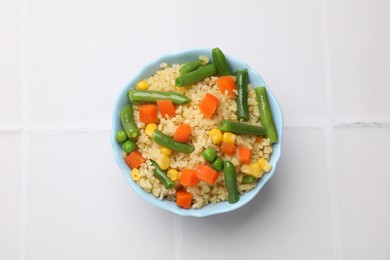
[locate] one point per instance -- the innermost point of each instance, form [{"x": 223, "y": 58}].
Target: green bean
[
  {"x": 242, "y": 97},
  {"x": 240, "y": 128},
  {"x": 121, "y": 136},
  {"x": 248, "y": 179},
  {"x": 220, "y": 62},
  {"x": 217, "y": 164},
  {"x": 209, "y": 154},
  {"x": 168, "y": 142},
  {"x": 231, "y": 181},
  {"x": 128, "y": 123},
  {"x": 190, "y": 66},
  {"x": 197, "y": 75},
  {"x": 266, "y": 114},
  {"x": 161, "y": 175},
  {"x": 150, "y": 96},
  {"x": 129, "y": 146}
]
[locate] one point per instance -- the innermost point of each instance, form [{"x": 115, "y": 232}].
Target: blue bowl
[{"x": 178, "y": 58}]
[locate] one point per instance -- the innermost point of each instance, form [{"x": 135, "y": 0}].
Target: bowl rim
[{"x": 203, "y": 212}]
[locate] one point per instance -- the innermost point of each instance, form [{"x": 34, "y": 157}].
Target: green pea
[
  {"x": 247, "y": 179},
  {"x": 217, "y": 164},
  {"x": 128, "y": 146},
  {"x": 209, "y": 154},
  {"x": 121, "y": 136}
]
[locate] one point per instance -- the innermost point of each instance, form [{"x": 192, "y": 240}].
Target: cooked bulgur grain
[{"x": 203, "y": 193}]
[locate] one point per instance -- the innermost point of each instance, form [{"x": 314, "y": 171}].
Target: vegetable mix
[{"x": 152, "y": 103}]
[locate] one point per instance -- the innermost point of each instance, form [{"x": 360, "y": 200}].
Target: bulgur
[{"x": 203, "y": 193}]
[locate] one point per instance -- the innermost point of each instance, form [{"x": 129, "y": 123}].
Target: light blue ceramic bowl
[{"x": 178, "y": 58}]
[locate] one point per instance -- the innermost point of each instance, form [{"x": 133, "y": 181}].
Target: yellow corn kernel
[
  {"x": 173, "y": 174},
  {"x": 264, "y": 164},
  {"x": 135, "y": 174},
  {"x": 163, "y": 161},
  {"x": 150, "y": 129},
  {"x": 165, "y": 151},
  {"x": 216, "y": 136},
  {"x": 142, "y": 85},
  {"x": 252, "y": 169},
  {"x": 228, "y": 138}
]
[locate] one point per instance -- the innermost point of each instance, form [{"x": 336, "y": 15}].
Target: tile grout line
[
  {"x": 177, "y": 220},
  {"x": 107, "y": 129},
  {"x": 55, "y": 131},
  {"x": 336, "y": 233},
  {"x": 24, "y": 121},
  {"x": 178, "y": 237},
  {"x": 329, "y": 137},
  {"x": 93, "y": 130},
  {"x": 173, "y": 22}
]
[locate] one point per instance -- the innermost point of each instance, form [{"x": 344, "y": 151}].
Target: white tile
[
  {"x": 82, "y": 53},
  {"x": 10, "y": 170},
  {"x": 81, "y": 207},
  {"x": 282, "y": 40},
  {"x": 10, "y": 64},
  {"x": 362, "y": 180},
  {"x": 289, "y": 219},
  {"x": 358, "y": 41}
]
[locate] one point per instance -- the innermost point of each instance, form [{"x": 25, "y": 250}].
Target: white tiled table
[{"x": 62, "y": 63}]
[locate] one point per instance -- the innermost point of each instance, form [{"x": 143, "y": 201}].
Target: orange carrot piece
[
  {"x": 259, "y": 139},
  {"x": 228, "y": 148},
  {"x": 134, "y": 159},
  {"x": 148, "y": 114},
  {"x": 188, "y": 177},
  {"x": 166, "y": 107},
  {"x": 208, "y": 105},
  {"x": 244, "y": 154},
  {"x": 182, "y": 133},
  {"x": 226, "y": 83},
  {"x": 207, "y": 174},
  {"x": 183, "y": 199}
]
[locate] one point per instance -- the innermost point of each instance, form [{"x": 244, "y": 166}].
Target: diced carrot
[
  {"x": 134, "y": 159},
  {"x": 244, "y": 154},
  {"x": 207, "y": 174},
  {"x": 188, "y": 177},
  {"x": 259, "y": 139},
  {"x": 208, "y": 105},
  {"x": 228, "y": 148},
  {"x": 166, "y": 107},
  {"x": 182, "y": 133},
  {"x": 226, "y": 83},
  {"x": 148, "y": 113},
  {"x": 183, "y": 199}
]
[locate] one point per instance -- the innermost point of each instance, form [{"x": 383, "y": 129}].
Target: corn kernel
[
  {"x": 173, "y": 174},
  {"x": 164, "y": 162},
  {"x": 165, "y": 150},
  {"x": 142, "y": 85},
  {"x": 150, "y": 129},
  {"x": 216, "y": 136},
  {"x": 264, "y": 164},
  {"x": 252, "y": 169},
  {"x": 135, "y": 174},
  {"x": 228, "y": 138}
]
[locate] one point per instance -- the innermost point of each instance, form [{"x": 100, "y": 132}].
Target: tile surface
[
  {"x": 81, "y": 57},
  {"x": 80, "y": 208},
  {"x": 358, "y": 38},
  {"x": 10, "y": 195},
  {"x": 362, "y": 178},
  {"x": 10, "y": 64}
]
